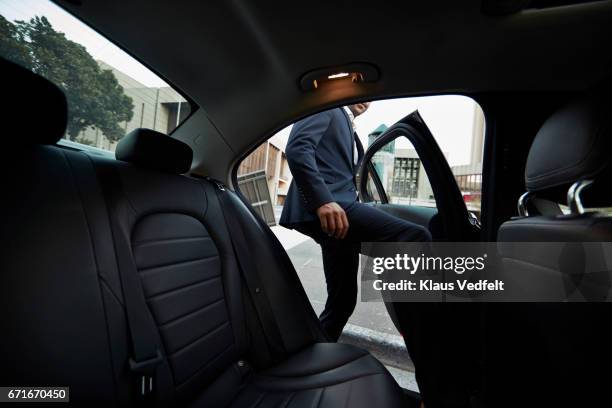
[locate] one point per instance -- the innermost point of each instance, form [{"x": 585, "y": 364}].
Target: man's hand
[{"x": 333, "y": 220}]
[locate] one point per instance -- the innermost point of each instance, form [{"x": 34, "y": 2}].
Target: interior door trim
[{"x": 384, "y": 199}]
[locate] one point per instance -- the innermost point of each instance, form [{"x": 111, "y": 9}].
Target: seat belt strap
[
  {"x": 314, "y": 324},
  {"x": 249, "y": 273},
  {"x": 146, "y": 353}
]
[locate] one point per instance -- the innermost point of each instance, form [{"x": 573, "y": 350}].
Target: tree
[
  {"x": 11, "y": 47},
  {"x": 95, "y": 98}
]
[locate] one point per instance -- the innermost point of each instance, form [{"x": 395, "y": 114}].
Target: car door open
[{"x": 405, "y": 173}]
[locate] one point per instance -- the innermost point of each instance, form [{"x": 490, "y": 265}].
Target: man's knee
[{"x": 414, "y": 233}]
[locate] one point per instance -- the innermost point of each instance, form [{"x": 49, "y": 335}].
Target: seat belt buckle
[
  {"x": 146, "y": 385},
  {"x": 147, "y": 370}
]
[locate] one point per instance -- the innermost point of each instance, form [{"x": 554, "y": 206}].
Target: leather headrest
[
  {"x": 36, "y": 111},
  {"x": 573, "y": 144},
  {"x": 148, "y": 148}
]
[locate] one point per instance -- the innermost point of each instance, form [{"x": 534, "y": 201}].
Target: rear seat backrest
[
  {"x": 181, "y": 251},
  {"x": 180, "y": 247},
  {"x": 53, "y": 301}
]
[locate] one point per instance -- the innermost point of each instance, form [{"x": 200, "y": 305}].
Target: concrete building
[
  {"x": 403, "y": 177},
  {"x": 469, "y": 176},
  {"x": 409, "y": 183},
  {"x": 270, "y": 159},
  {"x": 264, "y": 178},
  {"x": 160, "y": 109},
  {"x": 400, "y": 172}
]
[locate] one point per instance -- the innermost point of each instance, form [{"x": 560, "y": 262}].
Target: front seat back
[{"x": 556, "y": 349}]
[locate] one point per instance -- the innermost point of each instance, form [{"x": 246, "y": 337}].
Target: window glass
[
  {"x": 458, "y": 126},
  {"x": 109, "y": 93},
  {"x": 401, "y": 174}
]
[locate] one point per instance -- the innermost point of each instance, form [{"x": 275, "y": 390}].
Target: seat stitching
[
  {"x": 288, "y": 400},
  {"x": 149, "y": 268},
  {"x": 320, "y": 397},
  {"x": 186, "y": 286},
  {"x": 205, "y": 199},
  {"x": 112, "y": 292},
  {"x": 120, "y": 177},
  {"x": 258, "y": 400},
  {"x": 145, "y": 242},
  {"x": 188, "y": 314},
  {"x": 198, "y": 339}
]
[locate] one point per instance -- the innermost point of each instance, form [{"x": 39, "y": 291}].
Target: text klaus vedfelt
[{"x": 412, "y": 265}]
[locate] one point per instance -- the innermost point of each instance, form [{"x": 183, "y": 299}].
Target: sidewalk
[{"x": 388, "y": 349}]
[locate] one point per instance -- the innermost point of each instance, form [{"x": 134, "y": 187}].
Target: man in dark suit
[{"x": 322, "y": 203}]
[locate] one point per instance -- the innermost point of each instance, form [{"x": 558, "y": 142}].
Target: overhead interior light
[
  {"x": 351, "y": 73},
  {"x": 338, "y": 75}
]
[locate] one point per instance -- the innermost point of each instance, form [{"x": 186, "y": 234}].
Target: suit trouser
[{"x": 341, "y": 256}]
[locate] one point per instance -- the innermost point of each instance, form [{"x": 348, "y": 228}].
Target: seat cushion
[{"x": 323, "y": 375}]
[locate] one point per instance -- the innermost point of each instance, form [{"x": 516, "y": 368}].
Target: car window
[
  {"x": 402, "y": 177},
  {"x": 109, "y": 93},
  {"x": 456, "y": 122}
]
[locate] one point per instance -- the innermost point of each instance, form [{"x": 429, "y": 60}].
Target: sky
[
  {"x": 97, "y": 45},
  {"x": 449, "y": 118}
]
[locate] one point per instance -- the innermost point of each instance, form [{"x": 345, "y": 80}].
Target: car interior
[{"x": 144, "y": 278}]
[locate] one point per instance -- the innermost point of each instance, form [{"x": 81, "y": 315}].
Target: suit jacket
[{"x": 320, "y": 155}]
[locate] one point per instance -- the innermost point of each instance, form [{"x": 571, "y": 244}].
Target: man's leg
[
  {"x": 370, "y": 224},
  {"x": 341, "y": 257},
  {"x": 420, "y": 322},
  {"x": 340, "y": 263}
]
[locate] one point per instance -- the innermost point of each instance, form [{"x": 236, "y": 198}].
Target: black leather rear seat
[{"x": 63, "y": 299}]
